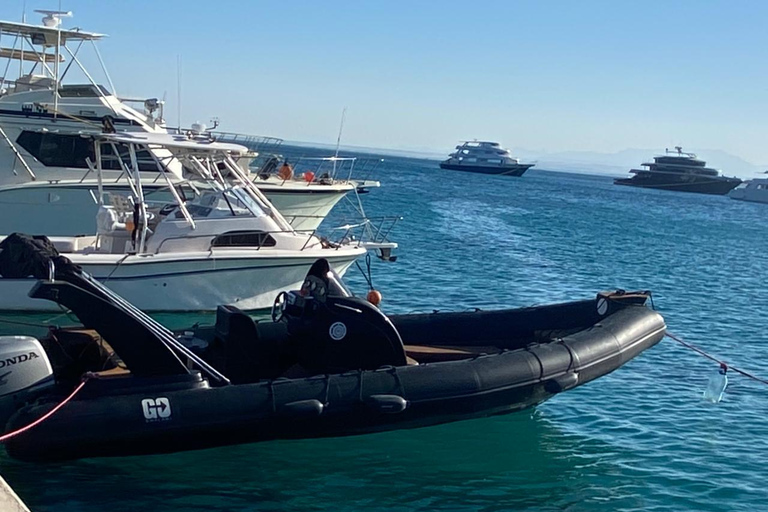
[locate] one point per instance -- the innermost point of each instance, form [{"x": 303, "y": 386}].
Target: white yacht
[
  {"x": 45, "y": 186},
  {"x": 312, "y": 187},
  {"x": 485, "y": 157},
  {"x": 209, "y": 241},
  {"x": 754, "y": 191}
]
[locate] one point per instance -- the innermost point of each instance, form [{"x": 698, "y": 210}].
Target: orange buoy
[
  {"x": 309, "y": 176},
  {"x": 286, "y": 172},
  {"x": 374, "y": 297}
]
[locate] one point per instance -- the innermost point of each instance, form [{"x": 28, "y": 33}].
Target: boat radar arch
[
  {"x": 52, "y": 19},
  {"x": 679, "y": 151}
]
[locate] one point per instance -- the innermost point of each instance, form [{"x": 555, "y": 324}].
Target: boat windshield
[
  {"x": 222, "y": 203},
  {"x": 244, "y": 200}
]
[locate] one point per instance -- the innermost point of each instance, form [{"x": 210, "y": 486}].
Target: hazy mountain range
[{"x": 589, "y": 162}]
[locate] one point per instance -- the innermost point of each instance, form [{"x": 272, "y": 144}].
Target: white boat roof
[
  {"x": 173, "y": 141},
  {"x": 25, "y": 29}
]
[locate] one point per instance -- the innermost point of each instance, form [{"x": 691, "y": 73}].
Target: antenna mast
[
  {"x": 178, "y": 91},
  {"x": 338, "y": 139}
]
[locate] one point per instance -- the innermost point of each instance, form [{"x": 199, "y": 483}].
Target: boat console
[
  {"x": 319, "y": 329},
  {"x": 331, "y": 330}
]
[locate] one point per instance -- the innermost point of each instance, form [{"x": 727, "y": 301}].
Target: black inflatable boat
[{"x": 329, "y": 364}]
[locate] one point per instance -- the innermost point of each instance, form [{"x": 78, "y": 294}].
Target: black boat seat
[{"x": 247, "y": 357}]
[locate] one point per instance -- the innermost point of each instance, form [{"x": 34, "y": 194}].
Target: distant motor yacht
[
  {"x": 484, "y": 157},
  {"x": 754, "y": 191},
  {"x": 681, "y": 172}
]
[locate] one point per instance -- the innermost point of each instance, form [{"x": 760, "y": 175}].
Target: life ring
[{"x": 309, "y": 176}]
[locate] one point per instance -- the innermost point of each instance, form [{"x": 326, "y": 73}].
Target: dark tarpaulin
[{"x": 29, "y": 256}]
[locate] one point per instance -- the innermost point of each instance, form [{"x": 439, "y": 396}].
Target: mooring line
[
  {"x": 713, "y": 358},
  {"x": 45, "y": 416}
]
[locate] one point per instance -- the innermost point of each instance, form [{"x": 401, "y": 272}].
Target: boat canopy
[
  {"x": 210, "y": 161},
  {"x": 47, "y": 36},
  {"x": 175, "y": 143}
]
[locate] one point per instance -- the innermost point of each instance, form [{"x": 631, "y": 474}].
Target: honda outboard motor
[
  {"x": 25, "y": 372},
  {"x": 332, "y": 331}
]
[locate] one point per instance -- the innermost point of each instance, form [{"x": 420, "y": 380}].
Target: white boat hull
[
  {"x": 304, "y": 209},
  {"x": 197, "y": 283},
  {"x": 754, "y": 191}
]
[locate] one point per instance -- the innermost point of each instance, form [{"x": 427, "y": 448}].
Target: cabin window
[
  {"x": 109, "y": 161},
  {"x": 79, "y": 91},
  {"x": 55, "y": 150},
  {"x": 83, "y": 91},
  {"x": 244, "y": 239},
  {"x": 58, "y": 150}
]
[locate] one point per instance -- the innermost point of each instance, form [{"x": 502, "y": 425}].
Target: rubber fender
[
  {"x": 388, "y": 404},
  {"x": 562, "y": 383},
  {"x": 303, "y": 408}
]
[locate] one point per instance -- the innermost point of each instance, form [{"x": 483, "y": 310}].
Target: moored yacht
[
  {"x": 307, "y": 190},
  {"x": 45, "y": 185},
  {"x": 203, "y": 242},
  {"x": 484, "y": 157},
  {"x": 681, "y": 172},
  {"x": 753, "y": 191}
]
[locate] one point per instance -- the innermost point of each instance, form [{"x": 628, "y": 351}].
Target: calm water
[{"x": 640, "y": 438}]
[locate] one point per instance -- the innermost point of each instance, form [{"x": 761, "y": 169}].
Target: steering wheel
[{"x": 278, "y": 306}]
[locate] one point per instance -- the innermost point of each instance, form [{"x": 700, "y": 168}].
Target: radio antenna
[
  {"x": 178, "y": 91},
  {"x": 338, "y": 139}
]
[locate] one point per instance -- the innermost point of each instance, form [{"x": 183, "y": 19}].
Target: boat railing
[
  {"x": 332, "y": 170},
  {"x": 212, "y": 237},
  {"x": 257, "y": 143},
  {"x": 371, "y": 230}
]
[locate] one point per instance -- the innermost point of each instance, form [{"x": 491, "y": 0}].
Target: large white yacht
[
  {"x": 484, "y": 157},
  {"x": 209, "y": 241},
  {"x": 45, "y": 186}
]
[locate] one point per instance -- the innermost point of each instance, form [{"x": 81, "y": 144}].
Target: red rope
[
  {"x": 45, "y": 416},
  {"x": 713, "y": 358}
]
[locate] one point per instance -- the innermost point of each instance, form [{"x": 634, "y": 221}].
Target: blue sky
[{"x": 541, "y": 75}]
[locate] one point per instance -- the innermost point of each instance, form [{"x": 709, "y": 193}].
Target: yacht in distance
[
  {"x": 681, "y": 172},
  {"x": 753, "y": 191},
  {"x": 484, "y": 157}
]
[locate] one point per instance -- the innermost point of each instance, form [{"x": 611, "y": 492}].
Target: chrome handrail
[
  {"x": 371, "y": 230},
  {"x": 51, "y": 271},
  {"x": 309, "y": 232}
]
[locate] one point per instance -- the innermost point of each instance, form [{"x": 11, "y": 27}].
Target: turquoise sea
[{"x": 640, "y": 438}]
